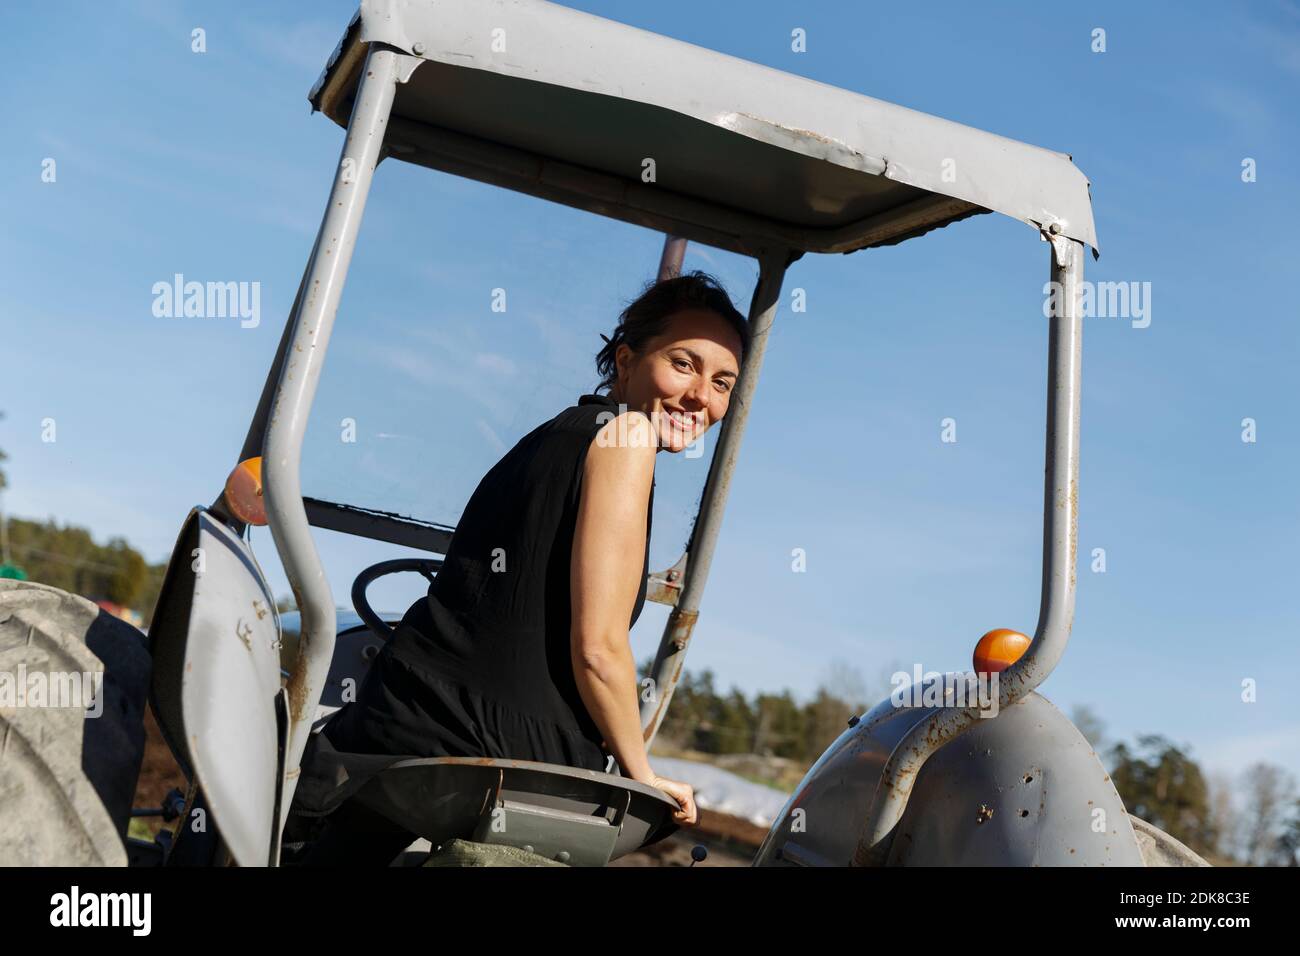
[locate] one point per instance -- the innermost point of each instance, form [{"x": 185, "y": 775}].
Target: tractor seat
[{"x": 568, "y": 814}]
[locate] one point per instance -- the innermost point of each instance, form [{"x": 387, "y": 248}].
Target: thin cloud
[
  {"x": 446, "y": 373},
  {"x": 305, "y": 45},
  {"x": 493, "y": 439},
  {"x": 1244, "y": 110},
  {"x": 491, "y": 362},
  {"x": 1278, "y": 41},
  {"x": 1235, "y": 753}
]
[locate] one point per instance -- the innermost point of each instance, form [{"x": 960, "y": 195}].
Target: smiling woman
[{"x": 521, "y": 647}]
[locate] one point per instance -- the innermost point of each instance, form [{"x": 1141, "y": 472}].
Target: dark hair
[{"x": 647, "y": 316}]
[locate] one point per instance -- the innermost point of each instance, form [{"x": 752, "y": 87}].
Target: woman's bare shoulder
[{"x": 622, "y": 453}]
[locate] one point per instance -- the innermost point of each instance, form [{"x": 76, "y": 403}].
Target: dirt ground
[
  {"x": 729, "y": 841},
  {"x": 159, "y": 773}
]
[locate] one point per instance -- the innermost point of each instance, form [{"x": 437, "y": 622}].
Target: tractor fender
[{"x": 1022, "y": 788}]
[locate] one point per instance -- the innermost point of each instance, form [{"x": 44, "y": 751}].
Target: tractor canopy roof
[{"x": 602, "y": 116}]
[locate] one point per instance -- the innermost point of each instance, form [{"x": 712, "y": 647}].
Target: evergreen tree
[{"x": 1161, "y": 784}]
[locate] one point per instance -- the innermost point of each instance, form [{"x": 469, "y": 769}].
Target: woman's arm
[
  {"x": 607, "y": 564},
  {"x": 604, "y": 578}
]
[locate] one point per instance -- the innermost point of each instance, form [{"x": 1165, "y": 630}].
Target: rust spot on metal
[
  {"x": 795, "y": 129},
  {"x": 297, "y": 683},
  {"x": 1074, "y": 527},
  {"x": 683, "y": 625},
  {"x": 242, "y": 631},
  {"x": 983, "y": 814}
]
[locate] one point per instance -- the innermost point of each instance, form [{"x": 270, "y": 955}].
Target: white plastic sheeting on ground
[{"x": 722, "y": 791}]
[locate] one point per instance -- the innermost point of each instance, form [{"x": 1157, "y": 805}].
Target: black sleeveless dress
[{"x": 481, "y": 667}]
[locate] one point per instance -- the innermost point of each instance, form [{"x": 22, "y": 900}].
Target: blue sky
[{"x": 210, "y": 165}]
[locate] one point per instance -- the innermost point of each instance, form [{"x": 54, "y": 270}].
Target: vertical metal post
[
  {"x": 1060, "y": 543},
  {"x": 256, "y": 436},
  {"x": 670, "y": 262},
  {"x": 299, "y": 375},
  {"x": 671, "y": 655}
]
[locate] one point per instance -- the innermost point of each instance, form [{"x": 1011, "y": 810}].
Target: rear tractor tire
[{"x": 68, "y": 771}]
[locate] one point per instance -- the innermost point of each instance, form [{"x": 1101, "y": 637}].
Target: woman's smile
[{"x": 683, "y": 421}]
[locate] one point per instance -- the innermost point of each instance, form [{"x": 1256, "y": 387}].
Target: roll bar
[
  {"x": 1060, "y": 544},
  {"x": 299, "y": 374}
]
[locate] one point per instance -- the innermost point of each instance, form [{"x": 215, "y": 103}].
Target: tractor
[{"x": 557, "y": 104}]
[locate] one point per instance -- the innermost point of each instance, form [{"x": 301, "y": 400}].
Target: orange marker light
[
  {"x": 244, "y": 492},
  {"x": 999, "y": 649}
]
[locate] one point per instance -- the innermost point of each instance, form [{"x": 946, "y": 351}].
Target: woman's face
[{"x": 683, "y": 379}]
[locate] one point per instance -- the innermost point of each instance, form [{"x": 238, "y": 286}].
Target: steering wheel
[{"x": 427, "y": 567}]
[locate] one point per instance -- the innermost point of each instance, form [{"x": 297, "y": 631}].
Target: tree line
[{"x": 67, "y": 557}]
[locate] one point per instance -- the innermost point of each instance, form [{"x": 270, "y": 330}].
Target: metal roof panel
[{"x": 567, "y": 105}]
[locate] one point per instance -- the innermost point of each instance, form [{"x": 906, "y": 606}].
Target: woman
[{"x": 520, "y": 649}]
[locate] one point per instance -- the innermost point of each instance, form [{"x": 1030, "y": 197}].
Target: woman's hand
[{"x": 688, "y": 814}]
